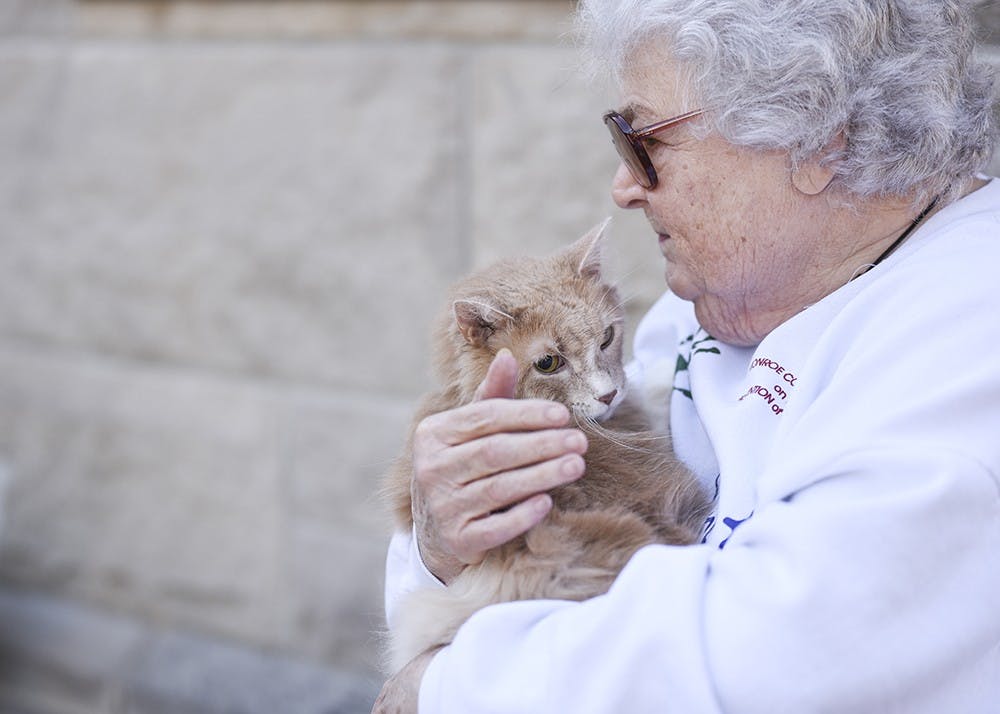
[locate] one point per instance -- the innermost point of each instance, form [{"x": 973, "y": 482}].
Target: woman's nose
[{"x": 625, "y": 190}]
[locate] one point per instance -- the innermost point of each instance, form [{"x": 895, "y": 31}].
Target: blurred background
[{"x": 225, "y": 226}]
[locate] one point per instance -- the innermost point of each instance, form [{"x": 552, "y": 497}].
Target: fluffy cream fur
[{"x": 634, "y": 491}]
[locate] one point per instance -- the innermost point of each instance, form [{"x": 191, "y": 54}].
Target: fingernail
[
  {"x": 576, "y": 442},
  {"x": 571, "y": 466},
  {"x": 556, "y": 414},
  {"x": 543, "y": 504}
]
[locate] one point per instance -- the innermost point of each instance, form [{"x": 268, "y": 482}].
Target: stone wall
[{"x": 224, "y": 228}]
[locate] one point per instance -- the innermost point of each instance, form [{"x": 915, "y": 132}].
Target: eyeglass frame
[{"x": 633, "y": 137}]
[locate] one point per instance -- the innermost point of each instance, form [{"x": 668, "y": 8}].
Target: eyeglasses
[{"x": 628, "y": 142}]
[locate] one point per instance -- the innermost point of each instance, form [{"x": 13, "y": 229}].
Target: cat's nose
[{"x": 609, "y": 397}]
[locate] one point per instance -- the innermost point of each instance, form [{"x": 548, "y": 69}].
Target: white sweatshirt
[{"x": 853, "y": 564}]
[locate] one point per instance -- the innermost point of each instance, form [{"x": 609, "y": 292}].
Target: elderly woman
[{"x": 810, "y": 171}]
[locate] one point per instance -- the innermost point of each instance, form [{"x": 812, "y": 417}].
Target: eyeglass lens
[{"x": 628, "y": 152}]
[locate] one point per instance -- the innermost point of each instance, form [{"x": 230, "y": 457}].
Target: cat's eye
[
  {"x": 549, "y": 364},
  {"x": 609, "y": 336}
]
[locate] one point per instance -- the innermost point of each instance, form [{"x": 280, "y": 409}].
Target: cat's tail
[{"x": 430, "y": 617}]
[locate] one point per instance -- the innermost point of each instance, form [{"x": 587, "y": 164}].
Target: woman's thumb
[{"x": 501, "y": 377}]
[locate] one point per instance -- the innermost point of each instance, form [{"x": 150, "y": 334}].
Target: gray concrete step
[{"x": 60, "y": 657}]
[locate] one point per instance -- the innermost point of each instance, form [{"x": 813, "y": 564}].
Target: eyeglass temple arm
[{"x": 659, "y": 126}]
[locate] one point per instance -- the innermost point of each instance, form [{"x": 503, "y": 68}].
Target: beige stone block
[
  {"x": 153, "y": 493},
  {"x": 35, "y": 18},
  {"x": 340, "y": 451},
  {"x": 328, "y": 19},
  {"x": 338, "y": 580},
  {"x": 282, "y": 211}
]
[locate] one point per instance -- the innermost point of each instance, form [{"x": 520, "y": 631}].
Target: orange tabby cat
[{"x": 563, "y": 324}]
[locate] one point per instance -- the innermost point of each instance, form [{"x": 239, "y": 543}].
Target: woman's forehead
[
  {"x": 647, "y": 108},
  {"x": 651, "y": 86}
]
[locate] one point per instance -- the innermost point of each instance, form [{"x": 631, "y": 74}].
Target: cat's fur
[{"x": 634, "y": 491}]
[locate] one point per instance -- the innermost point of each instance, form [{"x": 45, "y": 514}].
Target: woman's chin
[{"x": 679, "y": 283}]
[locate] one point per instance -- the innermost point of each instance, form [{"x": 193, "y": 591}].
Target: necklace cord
[{"x": 896, "y": 243}]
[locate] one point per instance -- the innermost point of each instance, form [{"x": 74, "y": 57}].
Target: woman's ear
[
  {"x": 478, "y": 319},
  {"x": 812, "y": 177}
]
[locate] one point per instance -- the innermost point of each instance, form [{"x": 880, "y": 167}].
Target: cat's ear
[
  {"x": 478, "y": 320},
  {"x": 586, "y": 253}
]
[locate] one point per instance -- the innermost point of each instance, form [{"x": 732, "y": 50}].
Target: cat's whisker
[
  {"x": 625, "y": 300},
  {"x": 610, "y": 290},
  {"x": 634, "y": 441},
  {"x": 621, "y": 278}
]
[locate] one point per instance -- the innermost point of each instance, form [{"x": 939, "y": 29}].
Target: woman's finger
[
  {"x": 496, "y": 529},
  {"x": 496, "y": 493},
  {"x": 491, "y": 416},
  {"x": 494, "y": 454}
]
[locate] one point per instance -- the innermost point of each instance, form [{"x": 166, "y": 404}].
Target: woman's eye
[
  {"x": 609, "y": 335},
  {"x": 549, "y": 364}
]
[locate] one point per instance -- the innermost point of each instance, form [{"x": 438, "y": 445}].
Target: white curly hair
[{"x": 897, "y": 79}]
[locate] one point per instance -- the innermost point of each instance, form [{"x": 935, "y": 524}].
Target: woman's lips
[{"x": 665, "y": 244}]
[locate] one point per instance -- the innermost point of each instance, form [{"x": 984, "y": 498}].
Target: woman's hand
[{"x": 481, "y": 471}]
